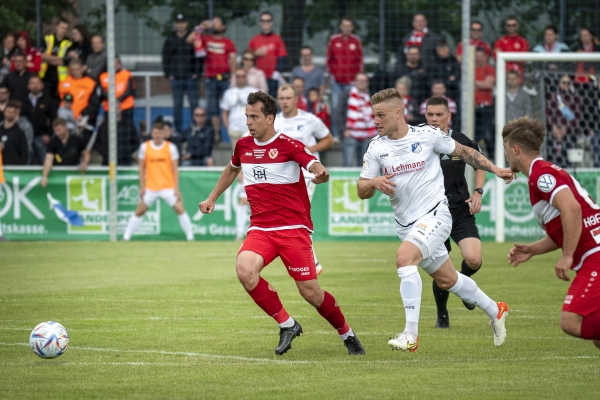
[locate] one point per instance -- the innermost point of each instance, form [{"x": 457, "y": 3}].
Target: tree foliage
[{"x": 16, "y": 15}]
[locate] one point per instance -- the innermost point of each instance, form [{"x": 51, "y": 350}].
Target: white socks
[
  {"x": 347, "y": 334},
  {"x": 288, "y": 324},
  {"x": 466, "y": 289},
  {"x": 132, "y": 225},
  {"x": 186, "y": 225},
  {"x": 411, "y": 288}
]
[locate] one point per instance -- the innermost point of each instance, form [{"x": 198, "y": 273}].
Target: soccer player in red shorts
[
  {"x": 280, "y": 223},
  {"x": 571, "y": 220}
]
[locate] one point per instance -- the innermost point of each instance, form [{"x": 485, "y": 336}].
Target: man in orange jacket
[
  {"x": 85, "y": 92},
  {"x": 127, "y": 138}
]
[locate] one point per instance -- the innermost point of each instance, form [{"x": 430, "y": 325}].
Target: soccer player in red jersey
[
  {"x": 280, "y": 223},
  {"x": 571, "y": 220}
]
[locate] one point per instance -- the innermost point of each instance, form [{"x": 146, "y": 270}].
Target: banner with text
[{"x": 75, "y": 206}]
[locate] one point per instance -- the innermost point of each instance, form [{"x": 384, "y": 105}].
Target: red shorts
[
  {"x": 293, "y": 246},
  {"x": 583, "y": 297}
]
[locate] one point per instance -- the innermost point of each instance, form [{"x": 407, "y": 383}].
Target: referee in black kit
[{"x": 464, "y": 231}]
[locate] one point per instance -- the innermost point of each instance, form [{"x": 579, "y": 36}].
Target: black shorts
[{"x": 463, "y": 225}]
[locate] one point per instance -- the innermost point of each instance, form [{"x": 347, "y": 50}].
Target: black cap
[
  {"x": 68, "y": 98},
  {"x": 179, "y": 17}
]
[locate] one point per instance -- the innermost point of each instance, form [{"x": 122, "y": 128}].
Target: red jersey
[
  {"x": 217, "y": 55},
  {"x": 274, "y": 182},
  {"x": 512, "y": 43},
  {"x": 275, "y": 48},
  {"x": 484, "y": 97},
  {"x": 344, "y": 57},
  {"x": 545, "y": 181},
  {"x": 477, "y": 43},
  {"x": 302, "y": 103}
]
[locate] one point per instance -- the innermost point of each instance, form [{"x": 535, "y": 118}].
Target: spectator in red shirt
[
  {"x": 344, "y": 61},
  {"x": 33, "y": 57},
  {"x": 421, "y": 37},
  {"x": 476, "y": 34},
  {"x": 512, "y": 41},
  {"x": 219, "y": 65},
  {"x": 298, "y": 84},
  {"x": 269, "y": 49},
  {"x": 485, "y": 80}
]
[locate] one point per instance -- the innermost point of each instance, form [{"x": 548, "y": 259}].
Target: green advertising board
[{"x": 28, "y": 211}]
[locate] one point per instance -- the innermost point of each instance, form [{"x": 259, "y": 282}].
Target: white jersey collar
[{"x": 267, "y": 142}]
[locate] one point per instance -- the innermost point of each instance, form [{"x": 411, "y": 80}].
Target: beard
[{"x": 218, "y": 31}]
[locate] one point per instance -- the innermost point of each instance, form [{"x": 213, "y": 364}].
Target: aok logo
[
  {"x": 344, "y": 197},
  {"x": 87, "y": 196}
]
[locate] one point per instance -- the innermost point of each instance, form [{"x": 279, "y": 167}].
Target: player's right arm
[
  {"x": 523, "y": 252},
  {"x": 47, "y": 167},
  {"x": 570, "y": 217},
  {"x": 229, "y": 175}
]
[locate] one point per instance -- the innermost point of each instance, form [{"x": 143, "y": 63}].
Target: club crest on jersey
[
  {"x": 416, "y": 148},
  {"x": 273, "y": 153},
  {"x": 546, "y": 183}
]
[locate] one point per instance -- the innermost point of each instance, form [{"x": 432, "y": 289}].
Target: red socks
[
  {"x": 333, "y": 314},
  {"x": 269, "y": 301},
  {"x": 590, "y": 327}
]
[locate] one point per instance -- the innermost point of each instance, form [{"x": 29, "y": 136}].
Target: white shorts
[
  {"x": 168, "y": 195},
  {"x": 429, "y": 233}
]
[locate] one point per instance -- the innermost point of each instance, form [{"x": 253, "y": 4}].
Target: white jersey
[
  {"x": 304, "y": 127},
  {"x": 414, "y": 163}
]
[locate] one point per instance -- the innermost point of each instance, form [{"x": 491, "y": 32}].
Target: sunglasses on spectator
[
  {"x": 266, "y": 21},
  {"x": 240, "y": 76},
  {"x": 200, "y": 115},
  {"x": 248, "y": 58},
  {"x": 477, "y": 29},
  {"x": 565, "y": 82},
  {"x": 510, "y": 25}
]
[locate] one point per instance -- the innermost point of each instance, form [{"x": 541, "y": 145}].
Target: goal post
[{"x": 501, "y": 59}]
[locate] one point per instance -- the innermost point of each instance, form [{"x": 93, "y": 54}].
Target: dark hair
[
  {"x": 62, "y": 20},
  {"x": 97, "y": 35},
  {"x": 420, "y": 13},
  {"x": 59, "y": 122},
  {"x": 477, "y": 22},
  {"x": 266, "y": 13},
  {"x": 441, "y": 43},
  {"x": 75, "y": 61},
  {"x": 314, "y": 89},
  {"x": 551, "y": 27},
  {"x": 307, "y": 48},
  {"x": 438, "y": 82},
  {"x": 526, "y": 132},
  {"x": 84, "y": 32},
  {"x": 513, "y": 72},
  {"x": 511, "y": 17},
  {"x": 269, "y": 105},
  {"x": 35, "y": 77},
  {"x": 3, "y": 86},
  {"x": 479, "y": 48},
  {"x": 437, "y": 101},
  {"x": 414, "y": 46},
  {"x": 346, "y": 18},
  {"x": 298, "y": 77},
  {"x": 158, "y": 125},
  {"x": 19, "y": 53},
  {"x": 14, "y": 104}
]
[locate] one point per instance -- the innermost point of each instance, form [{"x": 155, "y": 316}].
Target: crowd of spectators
[{"x": 64, "y": 84}]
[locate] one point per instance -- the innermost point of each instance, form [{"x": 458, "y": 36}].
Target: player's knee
[
  {"x": 312, "y": 294},
  {"x": 247, "y": 274},
  {"x": 474, "y": 262},
  {"x": 404, "y": 260},
  {"x": 570, "y": 326}
]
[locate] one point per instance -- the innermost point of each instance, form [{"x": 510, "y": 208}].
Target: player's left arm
[
  {"x": 570, "y": 217},
  {"x": 479, "y": 161},
  {"x": 320, "y": 172},
  {"x": 322, "y": 144}
]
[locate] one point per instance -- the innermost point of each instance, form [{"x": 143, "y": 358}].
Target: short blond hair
[
  {"x": 286, "y": 87},
  {"x": 386, "y": 95},
  {"x": 526, "y": 132}
]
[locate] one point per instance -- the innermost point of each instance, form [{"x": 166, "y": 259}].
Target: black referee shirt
[
  {"x": 455, "y": 183},
  {"x": 66, "y": 153}
]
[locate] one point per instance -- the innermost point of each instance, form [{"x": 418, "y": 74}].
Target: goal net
[{"x": 560, "y": 89}]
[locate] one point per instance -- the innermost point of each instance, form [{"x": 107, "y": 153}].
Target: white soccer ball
[{"x": 49, "y": 339}]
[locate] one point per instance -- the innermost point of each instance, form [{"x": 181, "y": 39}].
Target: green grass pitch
[{"x": 170, "y": 320}]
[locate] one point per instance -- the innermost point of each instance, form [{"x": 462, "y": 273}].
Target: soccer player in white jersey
[
  {"x": 306, "y": 128},
  {"x": 403, "y": 162}
]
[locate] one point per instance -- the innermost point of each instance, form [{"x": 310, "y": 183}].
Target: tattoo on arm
[{"x": 472, "y": 157}]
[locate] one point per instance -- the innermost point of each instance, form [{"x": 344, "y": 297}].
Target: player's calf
[
  {"x": 311, "y": 291},
  {"x": 570, "y": 323}
]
